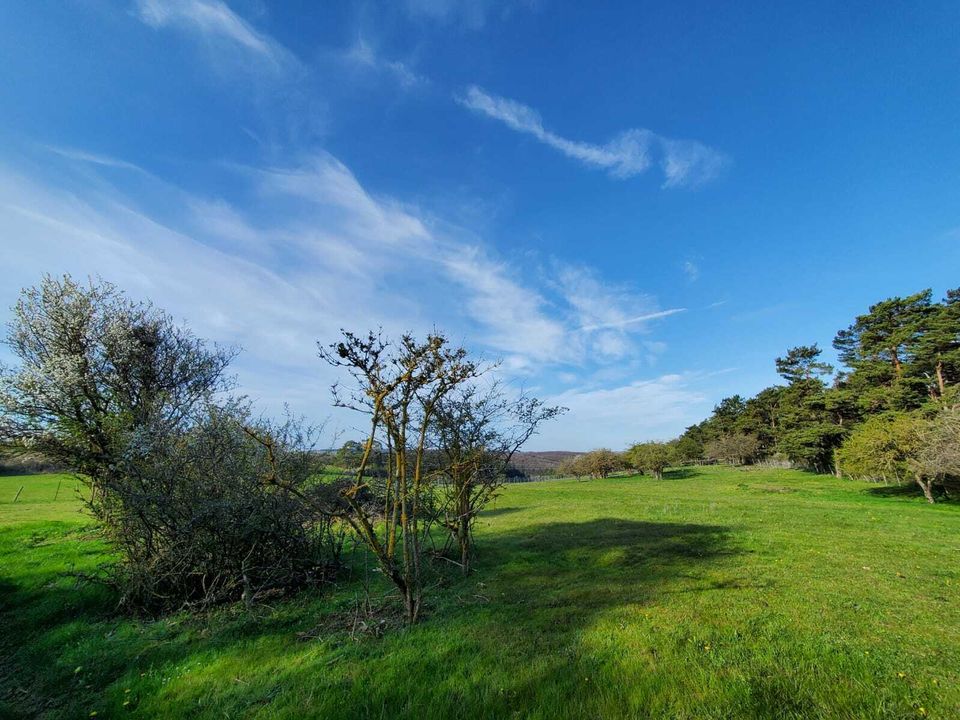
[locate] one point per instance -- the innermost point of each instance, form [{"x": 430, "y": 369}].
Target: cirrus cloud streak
[{"x": 684, "y": 163}]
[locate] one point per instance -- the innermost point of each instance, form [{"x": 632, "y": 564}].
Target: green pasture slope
[{"x": 714, "y": 593}]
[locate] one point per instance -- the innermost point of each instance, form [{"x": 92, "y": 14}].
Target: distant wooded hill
[{"x": 538, "y": 463}]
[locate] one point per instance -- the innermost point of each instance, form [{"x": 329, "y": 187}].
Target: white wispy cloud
[
  {"x": 320, "y": 235},
  {"x": 89, "y": 157},
  {"x": 689, "y": 163},
  {"x": 511, "y": 316},
  {"x": 636, "y": 320},
  {"x": 601, "y": 307},
  {"x": 219, "y": 219},
  {"x": 685, "y": 163},
  {"x": 691, "y": 270},
  {"x": 626, "y": 155},
  {"x": 213, "y": 19},
  {"x": 618, "y": 416},
  {"x": 471, "y": 14},
  {"x": 363, "y": 55},
  {"x": 325, "y": 182},
  {"x": 310, "y": 250}
]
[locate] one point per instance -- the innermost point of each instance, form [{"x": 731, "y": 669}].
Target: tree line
[
  {"x": 652, "y": 457},
  {"x": 891, "y": 412}
]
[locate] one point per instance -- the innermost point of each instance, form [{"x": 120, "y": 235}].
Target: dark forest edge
[{"x": 890, "y": 414}]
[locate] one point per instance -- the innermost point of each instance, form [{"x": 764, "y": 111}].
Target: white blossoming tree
[
  {"x": 95, "y": 370},
  {"x": 136, "y": 405}
]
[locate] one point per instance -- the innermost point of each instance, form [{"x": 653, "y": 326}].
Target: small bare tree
[
  {"x": 476, "y": 432},
  {"x": 399, "y": 387},
  {"x": 734, "y": 448},
  {"x": 938, "y": 455}
]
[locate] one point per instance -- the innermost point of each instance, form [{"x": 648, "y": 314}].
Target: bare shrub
[
  {"x": 198, "y": 520},
  {"x": 476, "y": 433},
  {"x": 734, "y": 448},
  {"x": 399, "y": 388},
  {"x": 937, "y": 460}
]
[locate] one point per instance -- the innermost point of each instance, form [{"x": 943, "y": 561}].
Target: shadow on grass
[
  {"x": 29, "y": 469},
  {"x": 904, "y": 491},
  {"x": 681, "y": 473},
  {"x": 584, "y": 567},
  {"x": 509, "y": 636},
  {"x": 912, "y": 491},
  {"x": 522, "y": 621},
  {"x": 497, "y": 512}
]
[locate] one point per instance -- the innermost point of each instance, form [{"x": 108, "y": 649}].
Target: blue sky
[{"x": 635, "y": 207}]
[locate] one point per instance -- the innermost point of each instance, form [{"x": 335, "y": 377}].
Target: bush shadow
[
  {"x": 497, "y": 512},
  {"x": 681, "y": 473},
  {"x": 521, "y": 618},
  {"x": 540, "y": 590},
  {"x": 912, "y": 491},
  {"x": 586, "y": 566}
]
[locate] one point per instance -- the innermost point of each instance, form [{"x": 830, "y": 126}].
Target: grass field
[{"x": 714, "y": 593}]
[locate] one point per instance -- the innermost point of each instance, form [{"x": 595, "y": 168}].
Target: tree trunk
[
  {"x": 940, "y": 383},
  {"x": 465, "y": 551},
  {"x": 463, "y": 542},
  {"x": 411, "y": 604},
  {"x": 463, "y": 522},
  {"x": 927, "y": 487}
]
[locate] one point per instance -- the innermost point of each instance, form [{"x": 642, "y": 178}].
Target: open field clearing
[
  {"x": 714, "y": 593},
  {"x": 479, "y": 360}
]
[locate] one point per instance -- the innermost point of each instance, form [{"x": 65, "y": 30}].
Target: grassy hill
[{"x": 714, "y": 593}]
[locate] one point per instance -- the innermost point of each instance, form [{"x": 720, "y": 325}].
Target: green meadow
[{"x": 713, "y": 593}]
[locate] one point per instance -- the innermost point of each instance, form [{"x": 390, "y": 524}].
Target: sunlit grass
[
  {"x": 51, "y": 496},
  {"x": 715, "y": 593}
]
